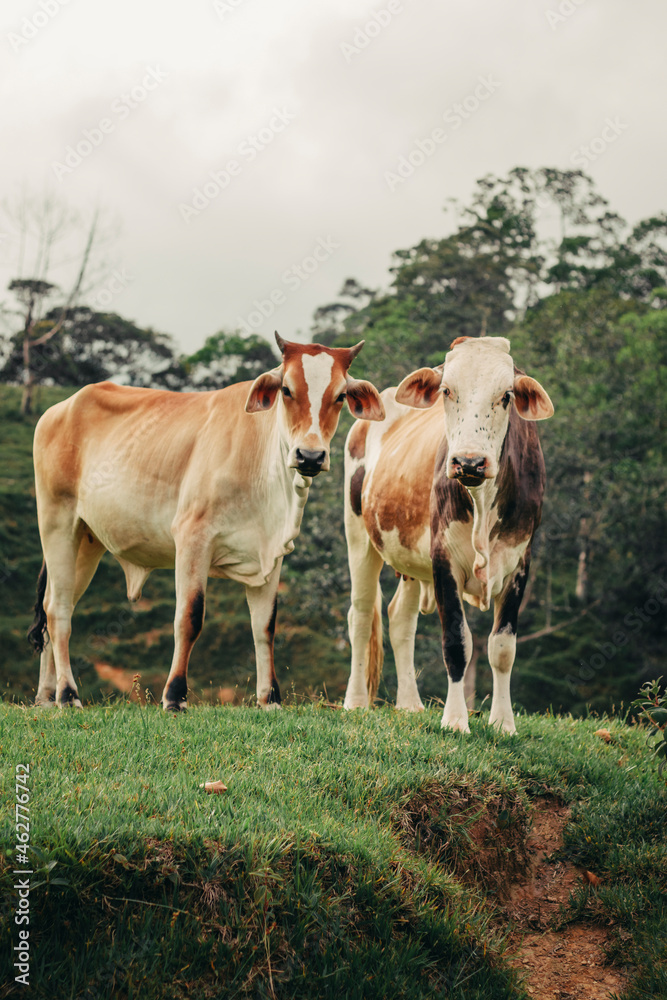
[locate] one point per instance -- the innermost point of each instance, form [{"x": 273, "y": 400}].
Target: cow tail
[
  {"x": 375, "y": 650},
  {"x": 36, "y": 632}
]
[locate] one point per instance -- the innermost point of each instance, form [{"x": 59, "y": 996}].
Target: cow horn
[
  {"x": 355, "y": 350},
  {"x": 282, "y": 344}
]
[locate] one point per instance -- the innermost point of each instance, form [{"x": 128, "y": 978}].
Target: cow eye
[
  {"x": 286, "y": 393},
  {"x": 341, "y": 398},
  {"x": 506, "y": 400},
  {"x": 446, "y": 391}
]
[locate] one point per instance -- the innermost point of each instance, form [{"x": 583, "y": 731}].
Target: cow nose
[
  {"x": 469, "y": 465},
  {"x": 310, "y": 462}
]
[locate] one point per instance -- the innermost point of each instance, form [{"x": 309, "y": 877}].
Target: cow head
[
  {"x": 312, "y": 383},
  {"x": 479, "y": 384}
]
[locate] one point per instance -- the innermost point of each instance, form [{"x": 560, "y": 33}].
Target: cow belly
[
  {"x": 135, "y": 536},
  {"x": 414, "y": 562}
]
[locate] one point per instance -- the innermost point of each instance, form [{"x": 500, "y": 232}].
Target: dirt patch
[
  {"x": 481, "y": 837},
  {"x": 130, "y": 682},
  {"x": 490, "y": 841},
  {"x": 562, "y": 962},
  {"x": 122, "y": 680}
]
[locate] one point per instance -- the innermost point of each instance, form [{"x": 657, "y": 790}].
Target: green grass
[{"x": 309, "y": 877}]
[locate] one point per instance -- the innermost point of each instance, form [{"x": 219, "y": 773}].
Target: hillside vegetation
[{"x": 357, "y": 855}]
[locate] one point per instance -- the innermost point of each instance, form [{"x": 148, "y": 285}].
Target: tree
[
  {"x": 89, "y": 346},
  {"x": 46, "y": 227},
  {"x": 601, "y": 545},
  {"x": 229, "y": 357}
]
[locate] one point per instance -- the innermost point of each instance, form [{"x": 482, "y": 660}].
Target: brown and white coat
[
  {"x": 209, "y": 484},
  {"x": 451, "y": 501}
]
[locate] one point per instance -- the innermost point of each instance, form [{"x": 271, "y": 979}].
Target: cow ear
[
  {"x": 263, "y": 391},
  {"x": 531, "y": 400},
  {"x": 363, "y": 400},
  {"x": 421, "y": 388}
]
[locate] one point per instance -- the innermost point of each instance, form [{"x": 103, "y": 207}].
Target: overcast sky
[{"x": 304, "y": 112}]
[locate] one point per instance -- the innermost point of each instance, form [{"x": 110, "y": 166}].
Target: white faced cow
[
  {"x": 211, "y": 483},
  {"x": 451, "y": 501}
]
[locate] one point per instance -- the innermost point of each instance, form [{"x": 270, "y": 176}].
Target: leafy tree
[
  {"x": 601, "y": 550},
  {"x": 89, "y": 346},
  {"x": 229, "y": 357}
]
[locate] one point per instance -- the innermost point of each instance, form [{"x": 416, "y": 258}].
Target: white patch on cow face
[
  {"x": 476, "y": 376},
  {"x": 317, "y": 370}
]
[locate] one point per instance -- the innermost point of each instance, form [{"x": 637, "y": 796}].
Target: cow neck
[
  {"x": 484, "y": 517},
  {"x": 296, "y": 488}
]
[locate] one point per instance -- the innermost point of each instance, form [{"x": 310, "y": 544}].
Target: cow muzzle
[
  {"x": 311, "y": 462},
  {"x": 470, "y": 470}
]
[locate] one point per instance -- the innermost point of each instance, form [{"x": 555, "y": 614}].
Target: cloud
[{"x": 353, "y": 119}]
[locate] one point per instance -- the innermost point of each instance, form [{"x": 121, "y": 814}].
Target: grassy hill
[{"x": 357, "y": 855}]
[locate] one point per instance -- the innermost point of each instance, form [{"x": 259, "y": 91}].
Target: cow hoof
[
  {"x": 45, "y": 700},
  {"x": 68, "y": 698},
  {"x": 505, "y": 726},
  {"x": 351, "y": 703},
  {"x": 175, "y": 695},
  {"x": 270, "y": 706},
  {"x": 409, "y": 706},
  {"x": 504, "y": 729},
  {"x": 175, "y": 706},
  {"x": 456, "y": 725}
]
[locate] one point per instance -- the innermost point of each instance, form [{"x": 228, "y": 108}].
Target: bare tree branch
[
  {"x": 556, "y": 628},
  {"x": 71, "y": 298}
]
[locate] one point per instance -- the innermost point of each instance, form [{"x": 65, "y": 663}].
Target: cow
[
  {"x": 450, "y": 497},
  {"x": 206, "y": 483}
]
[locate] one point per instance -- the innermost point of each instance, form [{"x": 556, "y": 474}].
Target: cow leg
[
  {"x": 403, "y": 613},
  {"x": 87, "y": 560},
  {"x": 502, "y": 647},
  {"x": 46, "y": 691},
  {"x": 456, "y": 642},
  {"x": 364, "y": 618},
  {"x": 192, "y": 566},
  {"x": 263, "y": 605}
]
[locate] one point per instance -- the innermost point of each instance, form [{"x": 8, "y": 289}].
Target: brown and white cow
[
  {"x": 210, "y": 483},
  {"x": 450, "y": 497}
]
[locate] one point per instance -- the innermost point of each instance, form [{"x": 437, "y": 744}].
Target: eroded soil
[{"x": 563, "y": 962}]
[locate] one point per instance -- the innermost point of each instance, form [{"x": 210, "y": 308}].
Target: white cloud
[{"x": 323, "y": 174}]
